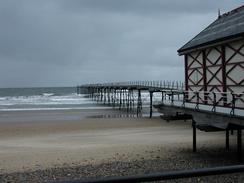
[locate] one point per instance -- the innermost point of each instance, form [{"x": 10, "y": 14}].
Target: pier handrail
[
  {"x": 227, "y": 100},
  {"x": 156, "y": 84}
]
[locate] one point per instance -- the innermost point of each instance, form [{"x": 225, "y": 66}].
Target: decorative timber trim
[
  {"x": 223, "y": 61},
  {"x": 205, "y": 88},
  {"x": 186, "y": 72}
]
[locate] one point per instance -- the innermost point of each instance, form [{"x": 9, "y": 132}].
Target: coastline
[{"x": 54, "y": 146}]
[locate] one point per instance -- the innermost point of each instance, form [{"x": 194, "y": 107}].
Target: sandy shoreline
[
  {"x": 28, "y": 147},
  {"x": 31, "y": 146}
]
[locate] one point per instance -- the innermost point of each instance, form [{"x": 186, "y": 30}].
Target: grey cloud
[
  {"x": 145, "y": 6},
  {"x": 68, "y": 42}
]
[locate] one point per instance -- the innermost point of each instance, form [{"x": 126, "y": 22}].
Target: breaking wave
[{"x": 45, "y": 101}]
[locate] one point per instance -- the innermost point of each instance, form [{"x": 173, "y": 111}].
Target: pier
[
  {"x": 209, "y": 111},
  {"x": 128, "y": 95}
]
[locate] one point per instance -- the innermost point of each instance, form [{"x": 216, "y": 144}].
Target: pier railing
[
  {"x": 177, "y": 85},
  {"x": 172, "y": 92},
  {"x": 225, "y": 102}
]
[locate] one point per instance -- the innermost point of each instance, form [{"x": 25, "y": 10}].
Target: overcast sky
[{"x": 70, "y": 42}]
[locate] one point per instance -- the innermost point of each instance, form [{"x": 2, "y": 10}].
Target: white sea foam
[
  {"x": 52, "y": 100},
  {"x": 45, "y": 99},
  {"x": 48, "y": 94}
]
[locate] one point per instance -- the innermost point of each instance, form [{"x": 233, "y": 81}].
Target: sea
[
  {"x": 58, "y": 103},
  {"x": 49, "y": 98},
  {"x": 45, "y": 98}
]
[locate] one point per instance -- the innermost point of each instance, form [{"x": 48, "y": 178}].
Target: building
[{"x": 214, "y": 59}]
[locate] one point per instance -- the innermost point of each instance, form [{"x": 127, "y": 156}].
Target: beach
[
  {"x": 108, "y": 145},
  {"x": 92, "y": 91}
]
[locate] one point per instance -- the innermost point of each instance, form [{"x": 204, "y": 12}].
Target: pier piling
[
  {"x": 151, "y": 100},
  {"x": 139, "y": 103},
  {"x": 194, "y": 141},
  {"x": 119, "y": 98},
  {"x": 239, "y": 144},
  {"x": 227, "y": 141}
]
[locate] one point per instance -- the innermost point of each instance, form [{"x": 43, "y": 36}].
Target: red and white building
[{"x": 214, "y": 59}]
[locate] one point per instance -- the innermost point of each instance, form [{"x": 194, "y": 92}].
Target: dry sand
[
  {"x": 40, "y": 149},
  {"x": 34, "y": 146}
]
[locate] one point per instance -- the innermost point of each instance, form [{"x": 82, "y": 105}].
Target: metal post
[
  {"x": 109, "y": 96},
  {"x": 101, "y": 99},
  {"x": 214, "y": 102},
  {"x": 114, "y": 98},
  {"x": 172, "y": 97},
  {"x": 120, "y": 98},
  {"x": 104, "y": 97},
  {"x": 194, "y": 136},
  {"x": 227, "y": 141},
  {"x": 123, "y": 96},
  {"x": 128, "y": 100},
  {"x": 184, "y": 99},
  {"x": 133, "y": 99},
  {"x": 138, "y": 103},
  {"x": 151, "y": 96},
  {"x": 162, "y": 97},
  {"x": 93, "y": 94},
  {"x": 233, "y": 105},
  {"x": 239, "y": 144},
  {"x": 77, "y": 90},
  {"x": 198, "y": 100}
]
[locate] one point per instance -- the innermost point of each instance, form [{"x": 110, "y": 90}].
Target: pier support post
[
  {"x": 130, "y": 98},
  {"x": 127, "y": 101},
  {"x": 151, "y": 96},
  {"x": 108, "y": 96},
  {"x": 124, "y": 97},
  {"x": 239, "y": 144},
  {"x": 92, "y": 94},
  {"x": 133, "y": 100},
  {"x": 194, "y": 142},
  {"x": 120, "y": 98},
  {"x": 104, "y": 96},
  {"x": 162, "y": 99},
  {"x": 114, "y": 98},
  {"x": 77, "y": 90},
  {"x": 101, "y": 95},
  {"x": 139, "y": 103},
  {"x": 227, "y": 139}
]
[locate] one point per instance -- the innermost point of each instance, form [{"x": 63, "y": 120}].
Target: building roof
[{"x": 228, "y": 25}]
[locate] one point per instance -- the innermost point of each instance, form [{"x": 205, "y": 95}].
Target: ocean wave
[
  {"x": 45, "y": 99},
  {"x": 48, "y": 94},
  {"x": 3, "y": 98},
  {"x": 51, "y": 100}
]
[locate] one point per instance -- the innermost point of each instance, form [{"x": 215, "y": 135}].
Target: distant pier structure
[
  {"x": 129, "y": 95},
  {"x": 213, "y": 92}
]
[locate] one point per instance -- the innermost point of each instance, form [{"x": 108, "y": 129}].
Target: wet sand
[{"x": 37, "y": 146}]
